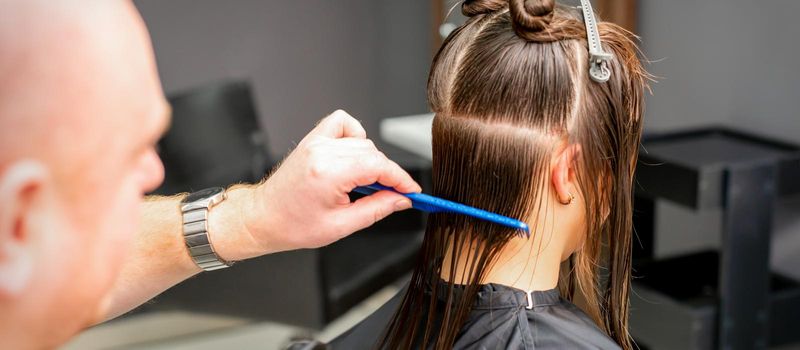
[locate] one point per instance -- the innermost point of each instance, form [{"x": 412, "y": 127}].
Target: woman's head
[{"x": 521, "y": 129}]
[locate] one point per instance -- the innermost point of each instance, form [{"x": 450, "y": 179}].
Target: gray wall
[
  {"x": 730, "y": 62},
  {"x": 304, "y": 58}
]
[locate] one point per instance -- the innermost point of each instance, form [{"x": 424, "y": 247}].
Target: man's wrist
[{"x": 227, "y": 228}]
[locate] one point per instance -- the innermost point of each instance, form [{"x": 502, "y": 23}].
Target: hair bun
[
  {"x": 531, "y": 16},
  {"x": 478, "y": 7}
]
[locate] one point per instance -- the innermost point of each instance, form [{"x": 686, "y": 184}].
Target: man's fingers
[
  {"x": 398, "y": 178},
  {"x": 375, "y": 167},
  {"x": 370, "y": 209},
  {"x": 338, "y": 125},
  {"x": 356, "y": 162}
]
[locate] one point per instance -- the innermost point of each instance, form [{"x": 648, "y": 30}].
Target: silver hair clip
[{"x": 598, "y": 59}]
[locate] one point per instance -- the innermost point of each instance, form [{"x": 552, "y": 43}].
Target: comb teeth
[{"x": 524, "y": 231}]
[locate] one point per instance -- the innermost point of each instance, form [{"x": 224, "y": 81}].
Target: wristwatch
[{"x": 195, "y": 209}]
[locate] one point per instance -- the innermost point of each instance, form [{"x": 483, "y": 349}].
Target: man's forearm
[{"x": 157, "y": 260}]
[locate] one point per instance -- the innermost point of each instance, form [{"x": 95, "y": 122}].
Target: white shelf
[{"x": 411, "y": 133}]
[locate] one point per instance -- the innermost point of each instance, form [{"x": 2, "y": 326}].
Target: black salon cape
[{"x": 500, "y": 320}]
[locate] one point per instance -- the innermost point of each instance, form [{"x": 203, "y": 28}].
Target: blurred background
[{"x": 718, "y": 207}]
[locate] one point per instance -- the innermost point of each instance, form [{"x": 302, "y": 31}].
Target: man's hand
[{"x": 304, "y": 203}]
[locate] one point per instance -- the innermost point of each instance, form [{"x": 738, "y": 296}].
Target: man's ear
[
  {"x": 563, "y": 173},
  {"x": 21, "y": 186}
]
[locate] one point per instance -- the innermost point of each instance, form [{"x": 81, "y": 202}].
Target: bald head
[{"x": 75, "y": 74}]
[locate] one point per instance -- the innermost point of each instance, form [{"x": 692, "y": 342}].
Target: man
[{"x": 81, "y": 109}]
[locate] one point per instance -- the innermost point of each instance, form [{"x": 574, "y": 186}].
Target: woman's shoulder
[
  {"x": 565, "y": 325},
  {"x": 505, "y": 317}
]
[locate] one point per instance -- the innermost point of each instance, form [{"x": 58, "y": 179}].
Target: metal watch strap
[{"x": 195, "y": 232}]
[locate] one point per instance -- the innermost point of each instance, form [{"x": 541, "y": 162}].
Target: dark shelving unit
[{"x": 726, "y": 299}]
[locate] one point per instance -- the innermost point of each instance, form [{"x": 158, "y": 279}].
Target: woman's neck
[
  {"x": 528, "y": 263},
  {"x": 516, "y": 265}
]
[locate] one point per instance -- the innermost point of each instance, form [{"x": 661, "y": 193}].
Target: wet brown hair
[{"x": 505, "y": 86}]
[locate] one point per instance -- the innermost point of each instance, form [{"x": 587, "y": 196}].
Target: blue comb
[{"x": 431, "y": 204}]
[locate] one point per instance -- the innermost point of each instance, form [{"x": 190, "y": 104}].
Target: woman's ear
[
  {"x": 21, "y": 186},
  {"x": 563, "y": 173}
]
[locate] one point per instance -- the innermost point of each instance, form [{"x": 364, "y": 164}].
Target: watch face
[{"x": 202, "y": 194}]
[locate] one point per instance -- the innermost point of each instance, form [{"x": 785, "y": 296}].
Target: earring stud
[{"x": 571, "y": 198}]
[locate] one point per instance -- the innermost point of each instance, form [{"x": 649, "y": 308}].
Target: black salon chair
[{"x": 214, "y": 140}]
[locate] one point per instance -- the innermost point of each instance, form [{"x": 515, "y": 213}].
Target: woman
[{"x": 527, "y": 127}]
